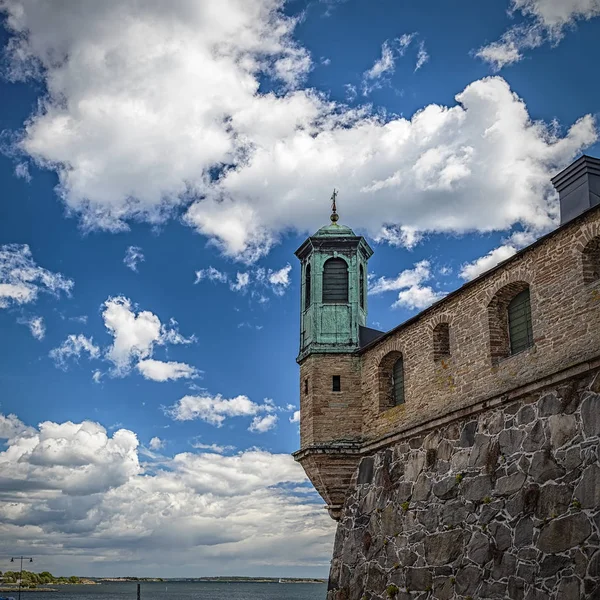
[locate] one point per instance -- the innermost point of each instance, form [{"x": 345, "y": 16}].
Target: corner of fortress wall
[{"x": 501, "y": 505}]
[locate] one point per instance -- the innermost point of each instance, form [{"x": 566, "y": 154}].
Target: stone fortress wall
[{"x": 504, "y": 504}]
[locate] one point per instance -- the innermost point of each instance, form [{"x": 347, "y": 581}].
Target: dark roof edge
[{"x": 477, "y": 279}]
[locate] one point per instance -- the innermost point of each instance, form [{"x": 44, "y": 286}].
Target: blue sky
[{"x": 203, "y": 145}]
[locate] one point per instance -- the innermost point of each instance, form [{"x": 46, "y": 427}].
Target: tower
[{"x": 332, "y": 323}]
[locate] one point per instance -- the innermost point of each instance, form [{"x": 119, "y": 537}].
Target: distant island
[
  {"x": 39, "y": 582},
  {"x": 218, "y": 579},
  {"x": 30, "y": 581}
]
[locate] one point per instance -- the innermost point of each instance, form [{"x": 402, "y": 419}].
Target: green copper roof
[{"x": 334, "y": 230}]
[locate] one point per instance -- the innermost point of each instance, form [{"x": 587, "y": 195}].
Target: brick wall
[{"x": 565, "y": 309}]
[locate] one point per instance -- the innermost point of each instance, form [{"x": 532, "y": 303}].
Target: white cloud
[
  {"x": 21, "y": 279},
  {"x": 219, "y": 449},
  {"x": 422, "y": 56},
  {"x": 385, "y": 66},
  {"x": 295, "y": 418},
  {"x": 412, "y": 294},
  {"x": 36, "y": 326},
  {"x": 180, "y": 97},
  {"x": 280, "y": 280},
  {"x": 86, "y": 500},
  {"x": 241, "y": 282},
  {"x": 97, "y": 376},
  {"x": 418, "y": 297},
  {"x": 510, "y": 246},
  {"x": 211, "y": 274},
  {"x": 135, "y": 334},
  {"x": 263, "y": 424},
  {"x": 471, "y": 270},
  {"x": 133, "y": 255},
  {"x": 407, "y": 278},
  {"x": 547, "y": 22},
  {"x": 156, "y": 443},
  {"x": 75, "y": 458},
  {"x": 215, "y": 409},
  {"x": 22, "y": 171},
  {"x": 157, "y": 370},
  {"x": 277, "y": 280},
  {"x": 72, "y": 349}
]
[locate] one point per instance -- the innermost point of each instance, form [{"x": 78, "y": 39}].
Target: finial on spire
[{"x": 334, "y": 216}]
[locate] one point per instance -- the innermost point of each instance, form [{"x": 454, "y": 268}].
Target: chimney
[{"x": 578, "y": 187}]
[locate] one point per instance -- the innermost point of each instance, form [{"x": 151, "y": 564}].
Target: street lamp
[{"x": 22, "y": 558}]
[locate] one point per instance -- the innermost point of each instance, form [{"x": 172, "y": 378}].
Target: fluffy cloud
[
  {"x": 157, "y": 370},
  {"x": 295, "y": 418},
  {"x": 172, "y": 93},
  {"x": 88, "y": 503},
  {"x": 136, "y": 334},
  {"x": 72, "y": 349},
  {"x": 485, "y": 263},
  {"x": 156, "y": 443},
  {"x": 412, "y": 294},
  {"x": 21, "y": 279},
  {"x": 215, "y": 409},
  {"x": 36, "y": 326},
  {"x": 263, "y": 424},
  {"x": 75, "y": 458},
  {"x": 546, "y": 22},
  {"x": 133, "y": 255}
]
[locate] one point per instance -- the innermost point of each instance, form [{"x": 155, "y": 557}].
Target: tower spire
[{"x": 334, "y": 216}]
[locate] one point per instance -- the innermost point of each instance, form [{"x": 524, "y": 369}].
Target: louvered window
[
  {"x": 335, "y": 281},
  {"x": 362, "y": 287},
  {"x": 519, "y": 323},
  {"x": 307, "y": 287},
  {"x": 398, "y": 382}
]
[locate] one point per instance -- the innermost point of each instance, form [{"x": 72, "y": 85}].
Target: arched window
[
  {"x": 441, "y": 341},
  {"x": 398, "y": 382},
  {"x": 391, "y": 380},
  {"x": 591, "y": 261},
  {"x": 307, "y": 286},
  {"x": 509, "y": 315},
  {"x": 519, "y": 322},
  {"x": 361, "y": 284},
  {"x": 335, "y": 281}
]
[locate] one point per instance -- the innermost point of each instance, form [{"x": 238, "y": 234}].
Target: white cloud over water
[{"x": 87, "y": 503}]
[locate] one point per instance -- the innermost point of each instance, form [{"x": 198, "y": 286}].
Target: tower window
[
  {"x": 519, "y": 322},
  {"x": 306, "y": 386},
  {"x": 361, "y": 284},
  {"x": 335, "y": 281},
  {"x": 336, "y": 384},
  {"x": 307, "y": 286}
]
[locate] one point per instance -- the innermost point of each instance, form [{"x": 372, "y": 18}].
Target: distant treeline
[{"x": 32, "y": 580}]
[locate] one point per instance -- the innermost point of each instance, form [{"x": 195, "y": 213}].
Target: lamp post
[{"x": 22, "y": 558}]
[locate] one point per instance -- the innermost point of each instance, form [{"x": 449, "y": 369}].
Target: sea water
[{"x": 182, "y": 590}]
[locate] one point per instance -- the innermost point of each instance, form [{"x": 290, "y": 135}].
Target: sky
[{"x": 159, "y": 165}]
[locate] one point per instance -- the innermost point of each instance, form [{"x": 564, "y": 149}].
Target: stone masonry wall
[
  {"x": 327, "y": 415},
  {"x": 565, "y": 310},
  {"x": 505, "y": 504}
]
